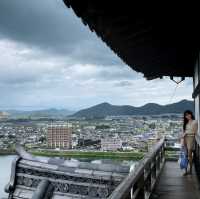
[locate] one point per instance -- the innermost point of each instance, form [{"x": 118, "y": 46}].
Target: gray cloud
[
  {"x": 123, "y": 84},
  {"x": 118, "y": 73},
  {"x": 44, "y": 23},
  {"x": 51, "y": 26},
  {"x": 50, "y": 59},
  {"x": 21, "y": 65}
]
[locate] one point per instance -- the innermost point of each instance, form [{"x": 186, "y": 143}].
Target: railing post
[
  {"x": 196, "y": 152},
  {"x": 147, "y": 179},
  {"x": 158, "y": 161},
  {"x": 129, "y": 195},
  {"x": 153, "y": 170},
  {"x": 140, "y": 185},
  {"x": 163, "y": 153}
]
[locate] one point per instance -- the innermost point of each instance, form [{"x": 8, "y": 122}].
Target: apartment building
[{"x": 59, "y": 136}]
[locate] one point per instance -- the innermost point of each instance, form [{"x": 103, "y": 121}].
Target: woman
[{"x": 190, "y": 127}]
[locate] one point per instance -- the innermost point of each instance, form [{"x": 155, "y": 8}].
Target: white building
[
  {"x": 4, "y": 115},
  {"x": 111, "y": 144}
]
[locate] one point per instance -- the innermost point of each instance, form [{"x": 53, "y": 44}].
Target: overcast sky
[{"x": 49, "y": 59}]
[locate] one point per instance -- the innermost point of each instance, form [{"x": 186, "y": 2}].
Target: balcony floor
[{"x": 172, "y": 185}]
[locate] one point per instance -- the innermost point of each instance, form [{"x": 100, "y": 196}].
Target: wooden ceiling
[{"x": 157, "y": 40}]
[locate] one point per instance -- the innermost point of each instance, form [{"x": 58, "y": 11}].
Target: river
[{"x": 5, "y": 168}]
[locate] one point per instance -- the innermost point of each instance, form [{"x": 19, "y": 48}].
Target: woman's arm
[{"x": 183, "y": 134}]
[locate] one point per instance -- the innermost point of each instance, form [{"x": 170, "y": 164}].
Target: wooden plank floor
[{"x": 172, "y": 185}]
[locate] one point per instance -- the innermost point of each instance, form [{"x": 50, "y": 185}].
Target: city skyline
[{"x": 49, "y": 59}]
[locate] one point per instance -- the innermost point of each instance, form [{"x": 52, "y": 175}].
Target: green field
[{"x": 91, "y": 154}]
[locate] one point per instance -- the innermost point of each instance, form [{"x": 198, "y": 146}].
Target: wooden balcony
[
  {"x": 159, "y": 176},
  {"x": 172, "y": 185}
]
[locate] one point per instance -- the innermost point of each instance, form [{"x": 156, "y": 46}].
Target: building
[
  {"x": 111, "y": 144},
  {"x": 4, "y": 115},
  {"x": 59, "y": 136}
]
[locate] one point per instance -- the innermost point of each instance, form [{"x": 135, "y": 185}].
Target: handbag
[{"x": 183, "y": 159}]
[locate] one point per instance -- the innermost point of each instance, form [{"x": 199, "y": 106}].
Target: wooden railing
[
  {"x": 140, "y": 183},
  {"x": 197, "y": 155},
  {"x": 197, "y": 148},
  {"x": 172, "y": 153}
]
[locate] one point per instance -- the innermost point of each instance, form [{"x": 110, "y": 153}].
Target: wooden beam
[{"x": 196, "y": 91}]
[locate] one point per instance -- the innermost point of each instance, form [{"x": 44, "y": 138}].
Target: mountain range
[
  {"x": 106, "y": 109},
  {"x": 52, "y": 113}
]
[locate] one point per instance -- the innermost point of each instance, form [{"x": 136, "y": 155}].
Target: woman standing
[{"x": 190, "y": 127}]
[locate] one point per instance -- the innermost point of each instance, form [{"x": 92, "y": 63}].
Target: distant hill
[
  {"x": 106, "y": 109},
  {"x": 52, "y": 113}
]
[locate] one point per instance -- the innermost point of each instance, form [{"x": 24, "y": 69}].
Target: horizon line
[{"x": 73, "y": 110}]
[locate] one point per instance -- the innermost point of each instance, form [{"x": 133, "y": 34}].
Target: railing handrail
[
  {"x": 197, "y": 138},
  {"x": 123, "y": 189}
]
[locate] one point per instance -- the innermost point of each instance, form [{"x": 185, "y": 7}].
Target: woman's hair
[{"x": 185, "y": 120}]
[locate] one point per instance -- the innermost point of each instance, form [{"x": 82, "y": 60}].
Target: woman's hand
[{"x": 183, "y": 135}]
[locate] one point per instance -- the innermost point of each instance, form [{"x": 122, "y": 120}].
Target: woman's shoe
[
  {"x": 185, "y": 173},
  {"x": 190, "y": 172}
]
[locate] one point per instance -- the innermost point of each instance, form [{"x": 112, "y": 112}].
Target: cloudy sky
[{"x": 50, "y": 59}]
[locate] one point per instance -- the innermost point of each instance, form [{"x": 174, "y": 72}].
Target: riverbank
[
  {"x": 6, "y": 166},
  {"x": 7, "y": 152},
  {"x": 90, "y": 154},
  {"x": 81, "y": 154}
]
